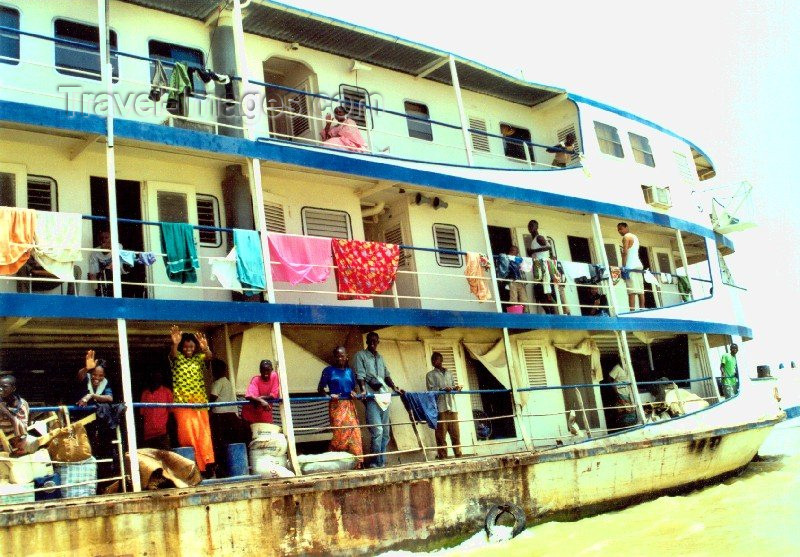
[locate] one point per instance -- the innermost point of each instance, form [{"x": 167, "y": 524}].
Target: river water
[{"x": 755, "y": 514}]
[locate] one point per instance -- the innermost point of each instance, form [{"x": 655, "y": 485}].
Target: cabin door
[
  {"x": 169, "y": 203},
  {"x": 543, "y": 410}
]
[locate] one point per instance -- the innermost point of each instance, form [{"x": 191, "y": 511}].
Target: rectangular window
[
  {"x": 171, "y": 53},
  {"x": 326, "y": 223},
  {"x": 42, "y": 193},
  {"x": 608, "y": 138},
  {"x": 9, "y": 41},
  {"x": 8, "y": 189},
  {"x": 276, "y": 221},
  {"x": 208, "y": 215},
  {"x": 514, "y": 146},
  {"x": 480, "y": 142},
  {"x": 417, "y": 128},
  {"x": 172, "y": 206},
  {"x": 80, "y": 57},
  {"x": 641, "y": 149},
  {"x": 612, "y": 254},
  {"x": 445, "y": 237},
  {"x": 354, "y": 101}
]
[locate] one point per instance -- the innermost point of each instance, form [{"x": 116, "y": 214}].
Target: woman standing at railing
[
  {"x": 340, "y": 382},
  {"x": 188, "y": 386}
]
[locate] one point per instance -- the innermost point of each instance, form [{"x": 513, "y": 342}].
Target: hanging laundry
[
  {"x": 249, "y": 261},
  {"x": 180, "y": 88},
  {"x": 224, "y": 270},
  {"x": 526, "y": 264},
  {"x": 17, "y": 229},
  {"x": 58, "y": 243},
  {"x": 364, "y": 267},
  {"x": 300, "y": 259},
  {"x": 177, "y": 241},
  {"x": 473, "y": 270},
  {"x": 684, "y": 287},
  {"x": 146, "y": 258},
  {"x": 159, "y": 84},
  {"x": 127, "y": 257},
  {"x": 501, "y": 263},
  {"x": 650, "y": 278},
  {"x": 577, "y": 271}
]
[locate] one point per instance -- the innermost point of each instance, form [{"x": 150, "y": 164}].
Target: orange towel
[
  {"x": 194, "y": 430},
  {"x": 472, "y": 270},
  {"x": 17, "y": 227}
]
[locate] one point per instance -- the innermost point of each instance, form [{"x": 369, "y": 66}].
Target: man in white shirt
[
  {"x": 540, "y": 250},
  {"x": 630, "y": 261}
]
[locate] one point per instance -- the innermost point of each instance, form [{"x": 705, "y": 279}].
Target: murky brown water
[{"x": 754, "y": 514}]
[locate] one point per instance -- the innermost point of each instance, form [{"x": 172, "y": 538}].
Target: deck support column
[
  {"x": 714, "y": 386},
  {"x": 600, "y": 248},
  {"x": 116, "y": 276},
  {"x": 625, "y": 353},
  {"x": 461, "y": 114},
  {"x": 684, "y": 261}
]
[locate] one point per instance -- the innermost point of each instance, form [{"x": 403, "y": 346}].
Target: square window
[
  {"x": 608, "y": 138},
  {"x": 9, "y": 41},
  {"x": 79, "y": 56},
  {"x": 416, "y": 127},
  {"x": 171, "y": 53},
  {"x": 641, "y": 149},
  {"x": 515, "y": 144}
]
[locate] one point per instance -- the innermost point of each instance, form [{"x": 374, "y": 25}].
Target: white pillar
[
  {"x": 106, "y": 72},
  {"x": 684, "y": 260},
  {"x": 715, "y": 387},
  {"x": 461, "y": 114},
  {"x": 600, "y": 248},
  {"x": 625, "y": 352}
]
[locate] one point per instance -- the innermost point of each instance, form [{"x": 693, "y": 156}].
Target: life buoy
[{"x": 496, "y": 511}]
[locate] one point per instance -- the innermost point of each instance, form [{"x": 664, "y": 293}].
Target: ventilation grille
[
  {"x": 40, "y": 194},
  {"x": 480, "y": 142},
  {"x": 395, "y": 236},
  {"x": 298, "y": 105},
  {"x": 445, "y": 236},
  {"x": 354, "y": 102},
  {"x": 208, "y": 215},
  {"x": 534, "y": 366},
  {"x": 276, "y": 220},
  {"x": 326, "y": 223}
]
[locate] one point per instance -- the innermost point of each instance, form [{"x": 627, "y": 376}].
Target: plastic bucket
[
  {"x": 237, "y": 459},
  {"x": 185, "y": 452},
  {"x": 515, "y": 309}
]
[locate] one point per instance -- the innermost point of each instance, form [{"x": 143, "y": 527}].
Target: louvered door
[{"x": 544, "y": 410}]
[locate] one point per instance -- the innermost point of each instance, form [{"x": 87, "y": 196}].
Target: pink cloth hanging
[{"x": 300, "y": 259}]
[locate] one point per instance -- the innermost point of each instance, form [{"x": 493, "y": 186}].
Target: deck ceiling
[{"x": 309, "y": 30}]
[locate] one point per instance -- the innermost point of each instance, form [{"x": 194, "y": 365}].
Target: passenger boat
[{"x": 445, "y": 158}]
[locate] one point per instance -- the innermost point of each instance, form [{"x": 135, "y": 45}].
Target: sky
[{"x": 721, "y": 73}]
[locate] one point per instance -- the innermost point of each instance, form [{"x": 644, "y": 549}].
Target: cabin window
[
  {"x": 42, "y": 193},
  {"x": 208, "y": 215},
  {"x": 354, "y": 101},
  {"x": 81, "y": 56},
  {"x": 480, "y": 141},
  {"x": 664, "y": 261},
  {"x": 514, "y": 140},
  {"x": 641, "y": 149},
  {"x": 417, "y": 128},
  {"x": 326, "y": 223},
  {"x": 9, "y": 41},
  {"x": 445, "y": 237},
  {"x": 685, "y": 172},
  {"x": 608, "y": 138},
  {"x": 172, "y": 206},
  {"x": 276, "y": 221},
  {"x": 8, "y": 189},
  {"x": 612, "y": 253},
  {"x": 171, "y": 53}
]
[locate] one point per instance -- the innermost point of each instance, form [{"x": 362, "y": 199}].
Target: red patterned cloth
[{"x": 364, "y": 267}]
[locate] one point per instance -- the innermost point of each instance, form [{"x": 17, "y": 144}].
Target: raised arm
[
  {"x": 90, "y": 365},
  {"x": 175, "y": 334},
  {"x": 203, "y": 342}
]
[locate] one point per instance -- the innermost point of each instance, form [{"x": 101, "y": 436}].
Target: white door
[
  {"x": 453, "y": 360},
  {"x": 544, "y": 412},
  {"x": 169, "y": 203}
]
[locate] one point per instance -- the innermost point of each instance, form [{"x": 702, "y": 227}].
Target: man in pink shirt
[
  {"x": 154, "y": 420},
  {"x": 263, "y": 388}
]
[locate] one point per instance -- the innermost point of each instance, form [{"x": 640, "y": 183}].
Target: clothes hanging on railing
[
  {"x": 421, "y": 407},
  {"x": 249, "y": 261},
  {"x": 473, "y": 270},
  {"x": 224, "y": 270},
  {"x": 146, "y": 258},
  {"x": 300, "y": 259},
  {"x": 58, "y": 242},
  {"x": 180, "y": 88},
  {"x": 578, "y": 272},
  {"x": 17, "y": 230},
  {"x": 177, "y": 241},
  {"x": 364, "y": 268},
  {"x": 684, "y": 287},
  {"x": 159, "y": 82},
  {"x": 206, "y": 75}
]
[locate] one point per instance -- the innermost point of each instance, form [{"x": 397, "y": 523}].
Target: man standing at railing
[
  {"x": 634, "y": 282},
  {"x": 440, "y": 379},
  {"x": 540, "y": 252},
  {"x": 373, "y": 379},
  {"x": 729, "y": 368}
]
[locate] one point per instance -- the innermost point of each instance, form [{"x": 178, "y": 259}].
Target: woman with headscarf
[{"x": 338, "y": 382}]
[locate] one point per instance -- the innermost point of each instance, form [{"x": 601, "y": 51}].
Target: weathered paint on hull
[{"x": 358, "y": 512}]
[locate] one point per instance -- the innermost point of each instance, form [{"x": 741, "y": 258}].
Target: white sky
[{"x": 722, "y": 73}]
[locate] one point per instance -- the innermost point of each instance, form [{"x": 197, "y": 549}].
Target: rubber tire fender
[{"x": 497, "y": 510}]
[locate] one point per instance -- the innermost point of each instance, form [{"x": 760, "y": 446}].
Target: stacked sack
[{"x": 268, "y": 451}]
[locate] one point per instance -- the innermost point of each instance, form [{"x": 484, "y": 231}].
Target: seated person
[
  {"x": 344, "y": 134},
  {"x": 263, "y": 388},
  {"x": 598, "y": 302},
  {"x": 14, "y": 411}
]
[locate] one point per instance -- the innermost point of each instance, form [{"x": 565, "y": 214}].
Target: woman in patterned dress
[{"x": 188, "y": 385}]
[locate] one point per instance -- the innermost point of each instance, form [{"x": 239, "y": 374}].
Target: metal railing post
[
  {"x": 684, "y": 261},
  {"x": 625, "y": 352},
  {"x": 600, "y": 248}
]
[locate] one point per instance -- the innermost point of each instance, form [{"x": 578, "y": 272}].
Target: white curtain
[
  {"x": 493, "y": 357},
  {"x": 586, "y": 347}
]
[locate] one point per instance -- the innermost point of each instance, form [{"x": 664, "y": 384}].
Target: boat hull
[{"x": 415, "y": 505}]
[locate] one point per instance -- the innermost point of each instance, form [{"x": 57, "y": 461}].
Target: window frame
[
  {"x": 601, "y": 141},
  {"x": 524, "y": 146},
  {"x": 86, "y": 73},
  {"x": 366, "y": 117},
  {"x": 305, "y": 228},
  {"x": 15, "y": 59},
  {"x": 198, "y": 87},
  {"x": 423, "y": 135},
  {"x": 53, "y": 190},
  {"x": 637, "y": 152},
  {"x": 436, "y": 246},
  {"x": 217, "y": 220}
]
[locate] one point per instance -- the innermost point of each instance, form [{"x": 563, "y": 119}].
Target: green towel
[
  {"x": 684, "y": 288},
  {"x": 249, "y": 261},
  {"x": 177, "y": 241},
  {"x": 180, "y": 86}
]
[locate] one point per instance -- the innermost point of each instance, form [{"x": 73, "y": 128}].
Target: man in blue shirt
[{"x": 373, "y": 378}]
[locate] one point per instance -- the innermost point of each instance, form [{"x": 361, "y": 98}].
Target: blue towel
[
  {"x": 177, "y": 241},
  {"x": 249, "y": 261},
  {"x": 422, "y": 407}
]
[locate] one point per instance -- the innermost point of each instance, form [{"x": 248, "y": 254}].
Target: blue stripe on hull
[{"x": 72, "y": 307}]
